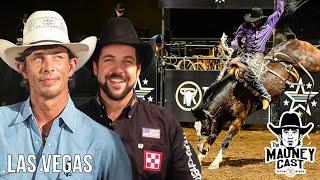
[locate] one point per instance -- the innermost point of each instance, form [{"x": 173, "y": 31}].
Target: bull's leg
[
  {"x": 205, "y": 142},
  {"x": 233, "y": 130},
  {"x": 204, "y": 146}
]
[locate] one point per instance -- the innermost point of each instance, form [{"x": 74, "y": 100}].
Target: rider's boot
[
  {"x": 253, "y": 81},
  {"x": 265, "y": 96},
  {"x": 265, "y": 103},
  {"x": 232, "y": 71}
]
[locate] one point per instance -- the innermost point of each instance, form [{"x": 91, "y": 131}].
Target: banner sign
[{"x": 184, "y": 91}]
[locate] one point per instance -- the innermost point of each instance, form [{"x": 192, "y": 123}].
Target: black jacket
[{"x": 154, "y": 140}]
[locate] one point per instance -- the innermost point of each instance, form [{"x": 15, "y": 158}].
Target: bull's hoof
[
  {"x": 203, "y": 152},
  {"x": 201, "y": 157},
  {"x": 213, "y": 166}
]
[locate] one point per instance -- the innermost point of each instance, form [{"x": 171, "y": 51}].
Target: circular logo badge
[{"x": 188, "y": 95}]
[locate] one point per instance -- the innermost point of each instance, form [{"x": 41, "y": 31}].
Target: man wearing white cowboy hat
[
  {"x": 46, "y": 137},
  {"x": 257, "y": 30},
  {"x": 154, "y": 140},
  {"x": 290, "y": 130}
]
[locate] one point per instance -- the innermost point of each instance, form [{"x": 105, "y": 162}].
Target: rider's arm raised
[{"x": 275, "y": 16}]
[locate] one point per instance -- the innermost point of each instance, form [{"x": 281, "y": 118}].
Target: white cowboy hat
[{"x": 46, "y": 28}]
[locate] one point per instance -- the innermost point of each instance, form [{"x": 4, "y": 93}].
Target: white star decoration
[
  {"x": 145, "y": 81},
  {"x": 219, "y": 1},
  {"x": 314, "y": 103},
  {"x": 309, "y": 85},
  {"x": 142, "y": 91},
  {"x": 286, "y": 102},
  {"x": 150, "y": 99},
  {"x": 299, "y": 98}
]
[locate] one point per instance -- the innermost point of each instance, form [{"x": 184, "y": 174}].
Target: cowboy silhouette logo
[{"x": 288, "y": 152}]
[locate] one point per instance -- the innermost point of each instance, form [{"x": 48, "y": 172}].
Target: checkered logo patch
[{"x": 152, "y": 160}]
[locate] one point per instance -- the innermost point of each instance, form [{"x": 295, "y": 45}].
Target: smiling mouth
[
  {"x": 49, "y": 80},
  {"x": 117, "y": 80}
]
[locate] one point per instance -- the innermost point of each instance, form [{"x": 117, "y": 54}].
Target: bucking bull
[{"x": 230, "y": 100}]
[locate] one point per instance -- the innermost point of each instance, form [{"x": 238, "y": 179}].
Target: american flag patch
[{"x": 151, "y": 133}]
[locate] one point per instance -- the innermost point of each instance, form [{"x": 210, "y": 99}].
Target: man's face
[
  {"x": 117, "y": 70},
  {"x": 255, "y": 24},
  {"x": 290, "y": 137},
  {"x": 120, "y": 12},
  {"x": 48, "y": 71}
]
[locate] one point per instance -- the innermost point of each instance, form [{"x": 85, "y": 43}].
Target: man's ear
[
  {"x": 138, "y": 69},
  {"x": 21, "y": 66},
  {"x": 72, "y": 66},
  {"x": 95, "y": 67}
]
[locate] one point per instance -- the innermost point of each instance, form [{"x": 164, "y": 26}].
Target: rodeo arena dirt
[
  {"x": 241, "y": 77},
  {"x": 245, "y": 158}
]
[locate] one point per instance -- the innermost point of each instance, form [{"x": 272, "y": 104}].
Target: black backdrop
[{"x": 219, "y": 4}]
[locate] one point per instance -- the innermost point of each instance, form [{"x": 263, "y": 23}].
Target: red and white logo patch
[{"x": 152, "y": 160}]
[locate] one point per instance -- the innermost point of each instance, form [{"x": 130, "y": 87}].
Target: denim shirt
[{"x": 76, "y": 148}]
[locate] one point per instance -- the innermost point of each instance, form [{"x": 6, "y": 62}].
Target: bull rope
[{"x": 302, "y": 67}]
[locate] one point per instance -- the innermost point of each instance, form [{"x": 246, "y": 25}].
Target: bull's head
[{"x": 203, "y": 128}]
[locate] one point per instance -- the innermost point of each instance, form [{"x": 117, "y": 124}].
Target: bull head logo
[
  {"x": 188, "y": 95},
  {"x": 191, "y": 95}
]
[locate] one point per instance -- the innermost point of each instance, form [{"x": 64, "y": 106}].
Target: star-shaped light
[
  {"x": 145, "y": 81},
  {"x": 150, "y": 99},
  {"x": 299, "y": 98},
  {"x": 219, "y": 1},
  {"x": 142, "y": 91},
  {"x": 314, "y": 103},
  {"x": 286, "y": 102},
  {"x": 309, "y": 85}
]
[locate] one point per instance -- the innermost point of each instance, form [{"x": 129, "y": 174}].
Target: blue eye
[
  {"x": 58, "y": 58},
  {"x": 38, "y": 58}
]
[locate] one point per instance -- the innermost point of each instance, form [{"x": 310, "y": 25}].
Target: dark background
[{"x": 85, "y": 18}]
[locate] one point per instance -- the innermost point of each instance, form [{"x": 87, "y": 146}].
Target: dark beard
[{"x": 107, "y": 91}]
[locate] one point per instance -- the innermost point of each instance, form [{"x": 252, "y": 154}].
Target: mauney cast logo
[{"x": 288, "y": 152}]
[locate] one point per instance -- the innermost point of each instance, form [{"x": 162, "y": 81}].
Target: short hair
[{"x": 22, "y": 56}]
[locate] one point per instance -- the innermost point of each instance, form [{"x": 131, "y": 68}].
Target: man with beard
[
  {"x": 46, "y": 137},
  {"x": 154, "y": 140}
]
